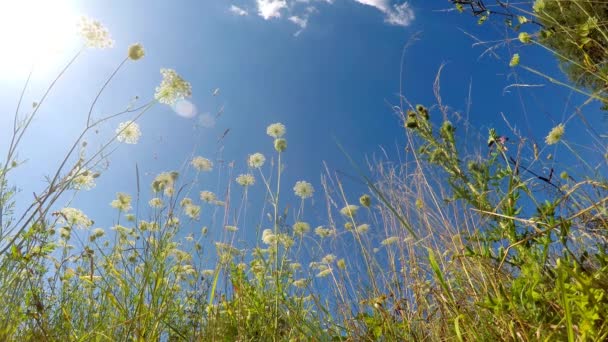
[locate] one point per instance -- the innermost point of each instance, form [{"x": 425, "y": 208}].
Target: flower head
[
  {"x": 303, "y": 189},
  {"x": 172, "y": 88},
  {"x": 555, "y": 135},
  {"x": 84, "y": 180},
  {"x": 276, "y": 130},
  {"x": 301, "y": 228},
  {"x": 136, "y": 51},
  {"x": 207, "y": 196},
  {"x": 122, "y": 202},
  {"x": 349, "y": 211},
  {"x": 256, "y": 160},
  {"x": 74, "y": 217},
  {"x": 94, "y": 33},
  {"x": 128, "y": 132},
  {"x": 324, "y": 232},
  {"x": 202, "y": 164},
  {"x": 245, "y": 179},
  {"x": 164, "y": 181},
  {"x": 192, "y": 211},
  {"x": 268, "y": 237}
]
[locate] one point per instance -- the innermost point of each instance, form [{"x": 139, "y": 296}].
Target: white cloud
[
  {"x": 400, "y": 15},
  {"x": 302, "y": 22},
  {"x": 268, "y": 9},
  {"x": 299, "y": 11},
  {"x": 236, "y": 10},
  {"x": 382, "y": 5}
]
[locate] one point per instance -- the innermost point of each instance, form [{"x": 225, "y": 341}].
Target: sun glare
[{"x": 34, "y": 33}]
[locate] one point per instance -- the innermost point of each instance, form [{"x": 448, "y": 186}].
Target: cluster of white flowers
[
  {"x": 192, "y": 211},
  {"x": 172, "y": 88},
  {"x": 74, "y": 217},
  {"x": 256, "y": 160},
  {"x": 122, "y": 202},
  {"x": 301, "y": 228},
  {"x": 276, "y": 130},
  {"x": 324, "y": 232},
  {"x": 128, "y": 132},
  {"x": 156, "y": 202},
  {"x": 165, "y": 181},
  {"x": 362, "y": 228},
  {"x": 350, "y": 210},
  {"x": 245, "y": 180},
  {"x": 84, "y": 180},
  {"x": 202, "y": 164},
  {"x": 555, "y": 135},
  {"x": 94, "y": 33},
  {"x": 303, "y": 189},
  {"x": 207, "y": 196}
]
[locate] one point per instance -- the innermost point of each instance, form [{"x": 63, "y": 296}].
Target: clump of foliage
[{"x": 574, "y": 30}]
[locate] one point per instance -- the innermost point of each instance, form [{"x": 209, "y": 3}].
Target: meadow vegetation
[{"x": 446, "y": 245}]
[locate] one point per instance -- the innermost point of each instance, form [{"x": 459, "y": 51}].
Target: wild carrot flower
[
  {"x": 207, "y": 196},
  {"x": 324, "y": 232},
  {"x": 276, "y": 130},
  {"x": 303, "y": 189},
  {"x": 173, "y": 221},
  {"x": 128, "y": 132},
  {"x": 122, "y": 202},
  {"x": 74, "y": 217},
  {"x": 192, "y": 211},
  {"x": 172, "y": 88},
  {"x": 362, "y": 228},
  {"x": 341, "y": 264},
  {"x": 555, "y": 135},
  {"x": 350, "y": 210},
  {"x": 156, "y": 202},
  {"x": 94, "y": 33},
  {"x": 164, "y": 181},
  {"x": 328, "y": 259},
  {"x": 136, "y": 51},
  {"x": 85, "y": 180},
  {"x": 245, "y": 180},
  {"x": 202, "y": 164},
  {"x": 268, "y": 237},
  {"x": 185, "y": 201},
  {"x": 256, "y": 160},
  {"x": 301, "y": 228}
]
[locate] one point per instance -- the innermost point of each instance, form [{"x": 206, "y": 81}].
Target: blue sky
[{"x": 328, "y": 70}]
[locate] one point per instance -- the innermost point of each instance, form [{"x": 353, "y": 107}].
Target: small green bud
[
  {"x": 365, "y": 200},
  {"x": 280, "y": 145},
  {"x": 525, "y": 38}
]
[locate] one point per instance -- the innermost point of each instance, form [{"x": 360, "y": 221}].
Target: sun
[{"x": 34, "y": 33}]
